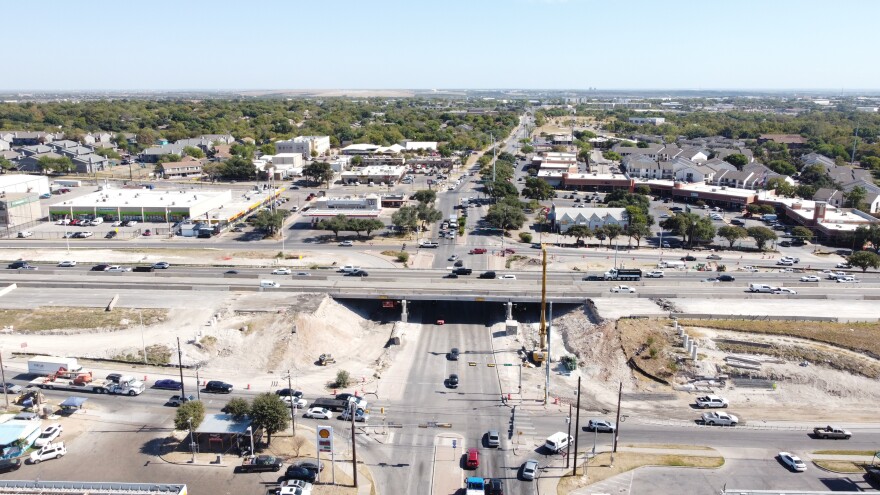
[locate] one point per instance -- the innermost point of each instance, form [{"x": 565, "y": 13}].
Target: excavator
[{"x": 539, "y": 355}]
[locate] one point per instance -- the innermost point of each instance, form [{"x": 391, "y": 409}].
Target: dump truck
[
  {"x": 832, "y": 432},
  {"x": 326, "y": 359},
  {"x": 257, "y": 463},
  {"x": 623, "y": 274}
]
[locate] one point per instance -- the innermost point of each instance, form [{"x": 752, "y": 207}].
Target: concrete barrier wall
[{"x": 706, "y": 316}]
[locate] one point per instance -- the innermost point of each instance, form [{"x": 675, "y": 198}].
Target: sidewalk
[{"x": 446, "y": 477}]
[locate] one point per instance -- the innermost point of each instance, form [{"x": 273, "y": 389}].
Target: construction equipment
[
  {"x": 540, "y": 355},
  {"x": 326, "y": 359}
]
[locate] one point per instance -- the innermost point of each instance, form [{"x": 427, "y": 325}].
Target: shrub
[
  {"x": 402, "y": 257},
  {"x": 525, "y": 237},
  {"x": 343, "y": 379},
  {"x": 570, "y": 362}
]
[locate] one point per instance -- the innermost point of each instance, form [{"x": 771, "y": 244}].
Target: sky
[{"x": 444, "y": 44}]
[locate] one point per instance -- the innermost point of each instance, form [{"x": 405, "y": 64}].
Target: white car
[
  {"x": 719, "y": 418},
  {"x": 507, "y": 277},
  {"x": 62, "y": 221},
  {"x": 281, "y": 271},
  {"x": 624, "y": 288},
  {"x": 116, "y": 224},
  {"x": 51, "y": 432},
  {"x": 49, "y": 451},
  {"x": 318, "y": 412},
  {"x": 655, "y": 274},
  {"x": 847, "y": 279},
  {"x": 793, "y": 462},
  {"x": 117, "y": 268},
  {"x": 791, "y": 258},
  {"x": 67, "y": 264},
  {"x": 601, "y": 425},
  {"x": 809, "y": 278},
  {"x": 346, "y": 244},
  {"x": 784, "y": 262},
  {"x": 708, "y": 401},
  {"x": 298, "y": 403},
  {"x": 87, "y": 233},
  {"x": 25, "y": 233},
  {"x": 843, "y": 264},
  {"x": 783, "y": 290},
  {"x": 454, "y": 257}
]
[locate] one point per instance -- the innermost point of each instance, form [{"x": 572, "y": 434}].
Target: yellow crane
[{"x": 539, "y": 355}]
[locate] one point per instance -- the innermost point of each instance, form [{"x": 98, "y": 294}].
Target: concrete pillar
[
  {"x": 509, "y": 310},
  {"x": 694, "y": 352},
  {"x": 404, "y": 315},
  {"x": 685, "y": 341}
]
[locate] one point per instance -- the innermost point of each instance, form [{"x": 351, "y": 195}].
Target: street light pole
[
  {"x": 192, "y": 441},
  {"x": 180, "y": 367},
  {"x": 292, "y": 408},
  {"x": 143, "y": 342}
]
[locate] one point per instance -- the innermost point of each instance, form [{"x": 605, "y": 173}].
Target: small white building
[
  {"x": 304, "y": 145},
  {"x": 566, "y": 218},
  {"x": 420, "y": 145}
]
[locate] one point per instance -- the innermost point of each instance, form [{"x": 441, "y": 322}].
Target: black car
[
  {"x": 114, "y": 377},
  {"x": 737, "y": 222},
  {"x": 344, "y": 396},
  {"x": 15, "y": 265},
  {"x": 487, "y": 275},
  {"x": 463, "y": 271},
  {"x": 110, "y": 235},
  {"x": 300, "y": 473},
  {"x": 312, "y": 466},
  {"x": 451, "y": 275},
  {"x": 453, "y": 354},
  {"x": 785, "y": 243},
  {"x": 458, "y": 263},
  {"x": 494, "y": 486},
  {"x": 7, "y": 465},
  {"x": 688, "y": 258},
  {"x": 231, "y": 272},
  {"x": 218, "y": 387},
  {"x": 289, "y": 392},
  {"x": 357, "y": 273},
  {"x": 100, "y": 268},
  {"x": 726, "y": 278},
  {"x": 452, "y": 381}
]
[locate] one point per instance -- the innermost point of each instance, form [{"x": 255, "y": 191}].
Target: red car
[
  {"x": 478, "y": 251},
  {"x": 473, "y": 459},
  {"x": 147, "y": 232},
  {"x": 509, "y": 251}
]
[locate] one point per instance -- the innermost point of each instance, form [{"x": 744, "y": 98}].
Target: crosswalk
[
  {"x": 524, "y": 434},
  {"x": 617, "y": 485}
]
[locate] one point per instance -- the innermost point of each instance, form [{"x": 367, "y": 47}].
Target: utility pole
[
  {"x": 616, "y": 423},
  {"x": 3, "y": 376},
  {"x": 354, "y": 459},
  {"x": 292, "y": 408},
  {"x": 547, "y": 362},
  {"x": 568, "y": 420},
  {"x": 577, "y": 428},
  {"x": 198, "y": 389},
  {"x": 180, "y": 367}
]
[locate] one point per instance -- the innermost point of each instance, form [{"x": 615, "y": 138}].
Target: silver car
[{"x": 529, "y": 469}]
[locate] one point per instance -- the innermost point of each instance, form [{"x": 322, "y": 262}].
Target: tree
[
  {"x": 343, "y": 378},
  {"x": 336, "y": 224},
  {"x": 505, "y": 217},
  {"x": 691, "y": 227},
  {"x": 194, "y": 410},
  {"x": 357, "y": 160},
  {"x": 145, "y": 137},
  {"x": 425, "y": 196},
  {"x": 643, "y": 189},
  {"x": 502, "y": 189},
  {"x": 193, "y": 151},
  {"x": 268, "y": 149},
  {"x": 638, "y": 224},
  {"x": 732, "y": 233},
  {"x": 271, "y": 413},
  {"x": 761, "y": 235},
  {"x": 169, "y": 158},
  {"x": 738, "y": 160},
  {"x": 61, "y": 164},
  {"x": 781, "y": 187},
  {"x": 782, "y": 167},
  {"x": 867, "y": 235},
  {"x": 269, "y": 222},
  {"x": 612, "y": 155},
  {"x": 107, "y": 153},
  {"x": 805, "y": 191},
  {"x": 855, "y": 198},
  {"x": 612, "y": 230},
  {"x": 538, "y": 189},
  {"x": 864, "y": 260},
  {"x": 212, "y": 170},
  {"x": 579, "y": 232},
  {"x": 237, "y": 407},
  {"x": 405, "y": 218},
  {"x": 371, "y": 224},
  {"x": 319, "y": 172},
  {"x": 6, "y": 165},
  {"x": 802, "y": 233},
  {"x": 428, "y": 214},
  {"x": 527, "y": 148},
  {"x": 238, "y": 168}
]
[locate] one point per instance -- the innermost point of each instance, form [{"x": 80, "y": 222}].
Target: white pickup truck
[
  {"x": 719, "y": 418},
  {"x": 708, "y": 401}
]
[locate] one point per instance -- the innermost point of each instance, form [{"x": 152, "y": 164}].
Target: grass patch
[
  {"x": 598, "y": 467},
  {"x": 869, "y": 453},
  {"x": 667, "y": 446},
  {"x": 648, "y": 343},
  {"x": 842, "y": 466},
  {"x": 836, "y": 360},
  {"x": 514, "y": 258},
  {"x": 208, "y": 341},
  {"x": 62, "y": 318},
  {"x": 399, "y": 256},
  {"x": 860, "y": 337},
  {"x": 156, "y": 354}
]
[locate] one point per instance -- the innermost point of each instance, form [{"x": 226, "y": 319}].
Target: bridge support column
[
  {"x": 404, "y": 315},
  {"x": 509, "y": 310}
]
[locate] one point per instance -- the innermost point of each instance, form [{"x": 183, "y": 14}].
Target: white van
[
  {"x": 760, "y": 288},
  {"x": 558, "y": 442},
  {"x": 349, "y": 269},
  {"x": 97, "y": 221},
  {"x": 269, "y": 284}
]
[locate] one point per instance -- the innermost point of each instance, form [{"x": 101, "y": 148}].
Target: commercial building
[
  {"x": 647, "y": 120},
  {"x": 144, "y": 205},
  {"x": 371, "y": 149},
  {"x": 562, "y": 219},
  {"x": 827, "y": 222},
  {"x": 374, "y": 174},
  {"x": 88, "y": 488},
  {"x": 186, "y": 167},
  {"x": 17, "y": 435},
  {"x": 367, "y": 206},
  {"x": 304, "y": 145},
  {"x": 420, "y": 145},
  {"x": 15, "y": 183}
]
